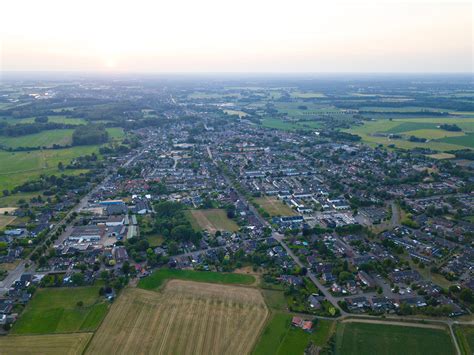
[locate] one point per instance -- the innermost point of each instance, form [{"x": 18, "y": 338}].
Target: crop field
[
  {"x": 55, "y": 310},
  {"x": 465, "y": 337},
  {"x": 289, "y": 125},
  {"x": 186, "y": 317},
  {"x": 376, "y": 132},
  {"x": 53, "y": 119},
  {"x": 212, "y": 220},
  {"x": 51, "y": 344},
  {"x": 158, "y": 277},
  {"x": 279, "y": 337},
  {"x": 363, "y": 338},
  {"x": 19, "y": 167},
  {"x": 274, "y": 207},
  {"x": 307, "y": 95}
]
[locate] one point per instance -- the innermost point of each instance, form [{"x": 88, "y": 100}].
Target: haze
[{"x": 236, "y": 36}]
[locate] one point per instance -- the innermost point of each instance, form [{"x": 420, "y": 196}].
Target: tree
[
  {"x": 77, "y": 279},
  {"x": 80, "y": 303},
  {"x": 466, "y": 295}
]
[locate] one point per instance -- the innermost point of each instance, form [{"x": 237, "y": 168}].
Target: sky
[{"x": 291, "y": 36}]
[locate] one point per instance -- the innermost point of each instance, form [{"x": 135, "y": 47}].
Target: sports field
[
  {"x": 364, "y": 338},
  {"x": 55, "y": 310},
  {"x": 50, "y": 344},
  {"x": 274, "y": 207},
  {"x": 158, "y": 277},
  {"x": 212, "y": 220},
  {"x": 279, "y": 337},
  {"x": 186, "y": 317}
]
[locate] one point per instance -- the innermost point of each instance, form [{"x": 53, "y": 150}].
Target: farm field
[
  {"x": 289, "y": 125},
  {"x": 438, "y": 139},
  {"x": 52, "y": 119},
  {"x": 279, "y": 337},
  {"x": 274, "y": 207},
  {"x": 465, "y": 337},
  {"x": 19, "y": 167},
  {"x": 158, "y": 277},
  {"x": 188, "y": 317},
  {"x": 212, "y": 220},
  {"x": 364, "y": 338},
  {"x": 51, "y": 344},
  {"x": 42, "y": 139},
  {"x": 55, "y": 310}
]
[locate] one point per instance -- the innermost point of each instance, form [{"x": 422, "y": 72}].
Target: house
[
  {"x": 115, "y": 220},
  {"x": 366, "y": 279},
  {"x": 120, "y": 254},
  {"x": 314, "y": 301}
]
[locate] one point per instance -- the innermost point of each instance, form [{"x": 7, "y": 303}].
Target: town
[{"x": 267, "y": 181}]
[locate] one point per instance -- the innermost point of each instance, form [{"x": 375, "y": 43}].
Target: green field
[
  {"x": 55, "y": 310},
  {"x": 289, "y": 125},
  {"x": 275, "y": 299},
  {"x": 19, "y": 167},
  {"x": 307, "y": 95},
  {"x": 53, "y": 119},
  {"x": 236, "y": 112},
  {"x": 157, "y": 278},
  {"x": 42, "y": 139},
  {"x": 212, "y": 220},
  {"x": 465, "y": 336},
  {"x": 362, "y": 338},
  {"x": 279, "y": 337}
]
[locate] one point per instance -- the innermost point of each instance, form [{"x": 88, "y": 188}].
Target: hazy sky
[{"x": 236, "y": 36}]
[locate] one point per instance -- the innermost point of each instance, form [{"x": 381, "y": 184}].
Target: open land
[
  {"x": 274, "y": 207},
  {"x": 185, "y": 317},
  {"x": 157, "y": 278},
  {"x": 212, "y": 220}
]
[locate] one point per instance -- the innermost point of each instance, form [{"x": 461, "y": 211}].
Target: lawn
[
  {"x": 279, "y": 337},
  {"x": 55, "y": 310},
  {"x": 13, "y": 200},
  {"x": 274, "y": 207},
  {"x": 158, "y": 277},
  {"x": 51, "y": 344},
  {"x": 363, "y": 338},
  {"x": 212, "y": 220},
  {"x": 154, "y": 240},
  {"x": 465, "y": 337}
]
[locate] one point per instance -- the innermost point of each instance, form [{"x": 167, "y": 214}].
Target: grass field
[
  {"x": 362, "y": 338},
  {"x": 19, "y": 167},
  {"x": 52, "y": 119},
  {"x": 155, "y": 240},
  {"x": 13, "y": 200},
  {"x": 307, "y": 95},
  {"x": 212, "y": 220},
  {"x": 50, "y": 344},
  {"x": 236, "y": 112},
  {"x": 157, "y": 278},
  {"x": 274, "y": 207},
  {"x": 55, "y": 310},
  {"x": 275, "y": 299},
  {"x": 465, "y": 337},
  {"x": 279, "y": 337},
  {"x": 186, "y": 317}
]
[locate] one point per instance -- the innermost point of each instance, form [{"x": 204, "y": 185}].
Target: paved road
[{"x": 311, "y": 276}]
